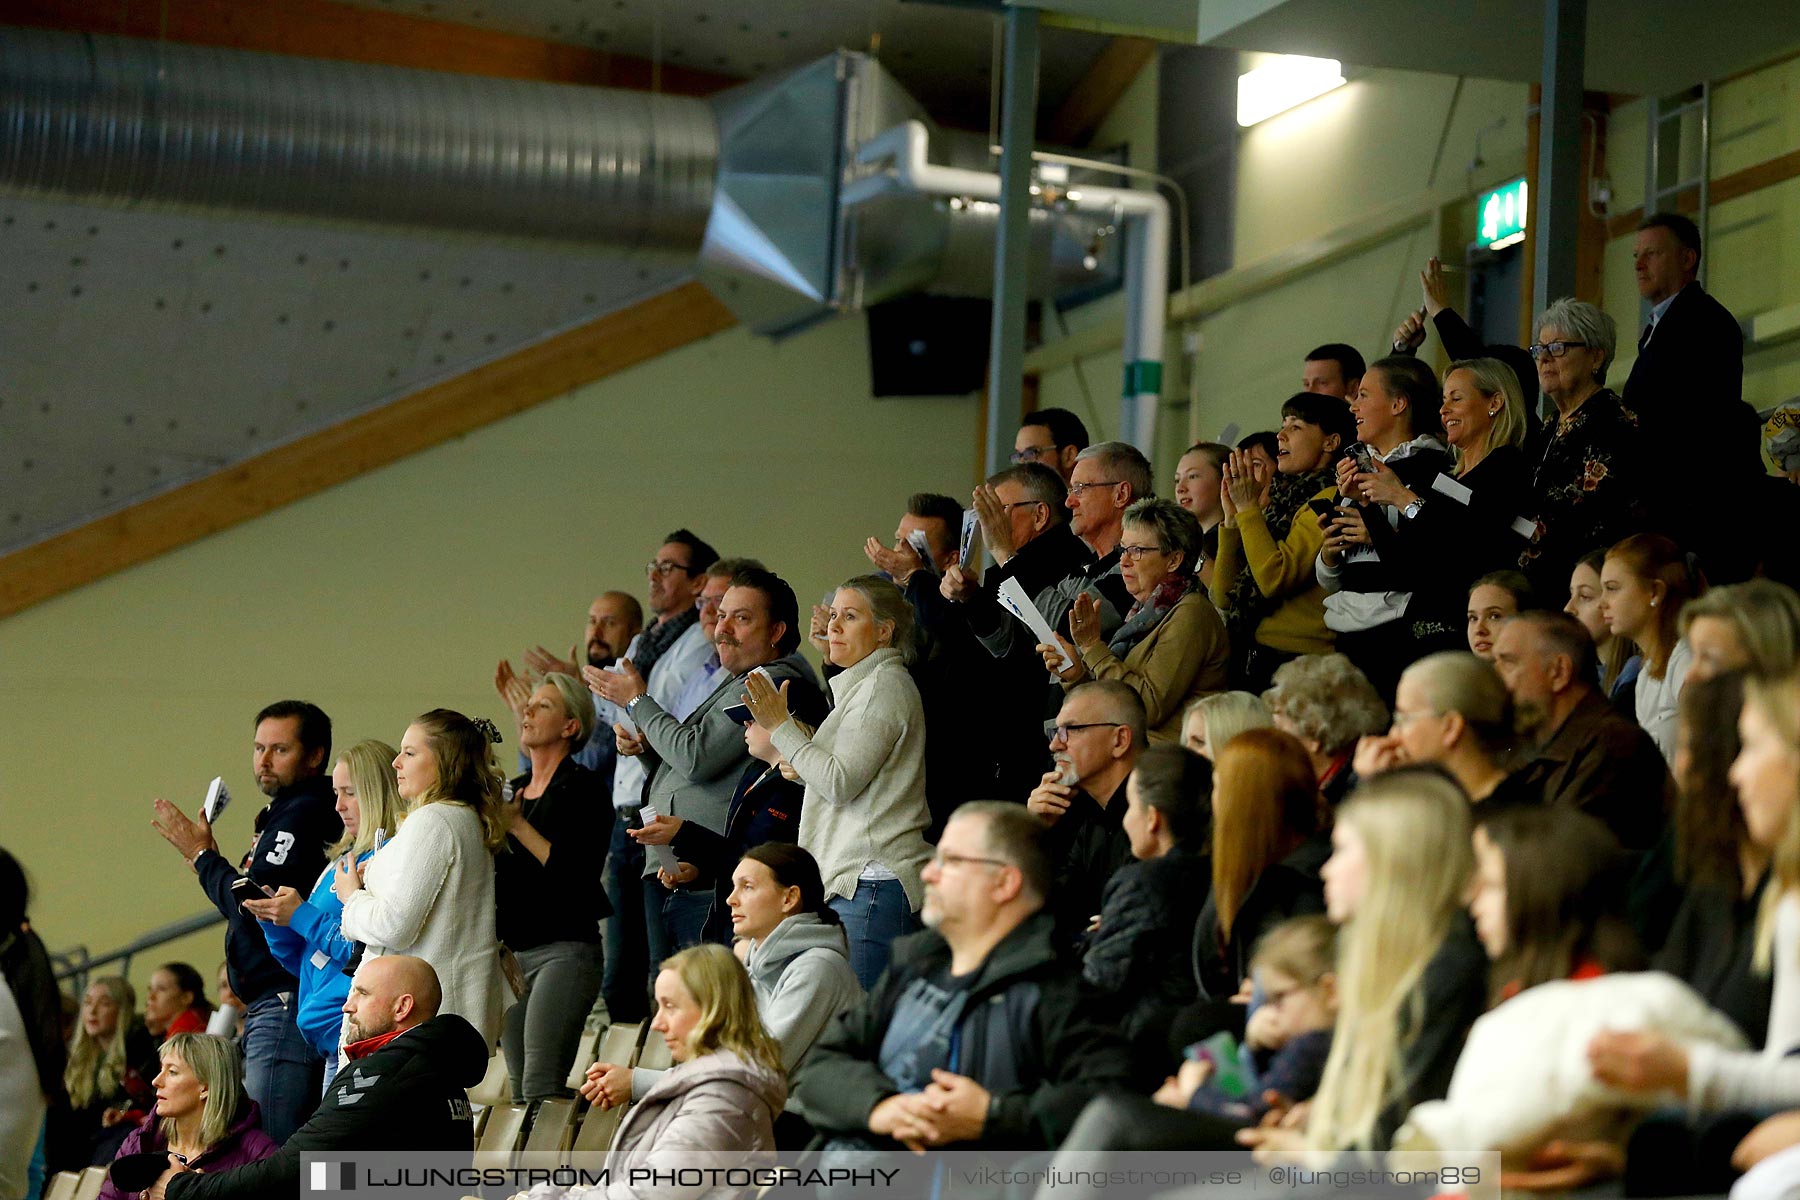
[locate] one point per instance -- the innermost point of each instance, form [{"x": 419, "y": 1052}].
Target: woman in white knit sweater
[
  {"x": 864, "y": 813},
  {"x": 430, "y": 892}
]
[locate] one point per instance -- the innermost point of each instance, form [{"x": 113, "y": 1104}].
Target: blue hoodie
[{"x": 313, "y": 946}]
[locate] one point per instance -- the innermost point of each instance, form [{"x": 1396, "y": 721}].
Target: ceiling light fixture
[{"x": 1283, "y": 83}]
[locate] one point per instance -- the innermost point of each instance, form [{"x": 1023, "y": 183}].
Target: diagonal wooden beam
[
  {"x": 1097, "y": 92},
  {"x": 322, "y": 29},
  {"x": 242, "y": 491}
]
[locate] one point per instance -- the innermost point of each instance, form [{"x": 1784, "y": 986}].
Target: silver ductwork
[{"x": 748, "y": 182}]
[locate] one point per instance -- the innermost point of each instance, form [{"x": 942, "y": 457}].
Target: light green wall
[
  {"x": 1339, "y": 157},
  {"x": 398, "y": 591}
]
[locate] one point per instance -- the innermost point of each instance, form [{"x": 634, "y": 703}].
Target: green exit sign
[{"x": 1503, "y": 215}]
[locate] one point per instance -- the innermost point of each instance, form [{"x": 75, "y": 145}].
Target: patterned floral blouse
[{"x": 1588, "y": 482}]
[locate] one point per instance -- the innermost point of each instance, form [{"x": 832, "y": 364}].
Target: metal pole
[
  {"x": 1558, "y": 185},
  {"x": 1018, "y": 136}
]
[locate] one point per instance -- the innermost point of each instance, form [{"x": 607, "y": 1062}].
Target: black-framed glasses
[
  {"x": 1541, "y": 350},
  {"x": 662, "y": 566},
  {"x": 1075, "y": 489},
  {"x": 1032, "y": 453},
  {"x": 1022, "y": 504},
  {"x": 1057, "y": 732},
  {"x": 940, "y": 860},
  {"x": 1133, "y": 553}
]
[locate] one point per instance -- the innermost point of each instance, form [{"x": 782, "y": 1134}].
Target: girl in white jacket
[{"x": 430, "y": 892}]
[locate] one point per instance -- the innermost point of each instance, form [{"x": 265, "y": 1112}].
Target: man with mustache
[{"x": 695, "y": 761}]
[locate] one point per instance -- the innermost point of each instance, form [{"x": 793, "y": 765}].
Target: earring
[
  {"x": 1652, "y": 603},
  {"x": 1492, "y": 411}
]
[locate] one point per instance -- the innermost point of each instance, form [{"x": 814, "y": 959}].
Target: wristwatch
[{"x": 1412, "y": 510}]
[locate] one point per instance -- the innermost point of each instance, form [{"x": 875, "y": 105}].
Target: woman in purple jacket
[{"x": 202, "y": 1118}]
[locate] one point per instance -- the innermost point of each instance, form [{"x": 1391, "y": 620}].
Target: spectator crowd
[{"x": 1446, "y": 698}]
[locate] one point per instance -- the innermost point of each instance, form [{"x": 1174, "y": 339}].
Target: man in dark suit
[{"x": 1687, "y": 389}]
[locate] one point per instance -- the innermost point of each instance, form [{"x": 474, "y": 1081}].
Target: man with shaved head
[{"x": 404, "y": 1086}]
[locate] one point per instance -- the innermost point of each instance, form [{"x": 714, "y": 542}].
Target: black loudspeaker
[{"x": 928, "y": 346}]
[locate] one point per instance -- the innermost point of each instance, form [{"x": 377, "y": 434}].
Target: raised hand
[{"x": 544, "y": 662}]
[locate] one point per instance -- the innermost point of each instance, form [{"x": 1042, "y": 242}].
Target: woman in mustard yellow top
[{"x": 1263, "y": 583}]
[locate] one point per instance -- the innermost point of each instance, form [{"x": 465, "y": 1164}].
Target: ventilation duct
[{"x": 748, "y": 181}]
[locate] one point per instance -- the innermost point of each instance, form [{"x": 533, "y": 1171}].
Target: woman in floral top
[{"x": 1588, "y": 469}]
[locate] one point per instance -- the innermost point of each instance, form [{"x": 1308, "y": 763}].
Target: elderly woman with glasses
[
  {"x": 1586, "y": 484},
  {"x": 1171, "y": 648}
]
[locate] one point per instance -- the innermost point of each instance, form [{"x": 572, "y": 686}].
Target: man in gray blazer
[{"x": 695, "y": 764}]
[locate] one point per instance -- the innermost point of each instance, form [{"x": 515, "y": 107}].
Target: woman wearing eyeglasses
[
  {"x": 1586, "y": 485},
  {"x": 1171, "y": 648}
]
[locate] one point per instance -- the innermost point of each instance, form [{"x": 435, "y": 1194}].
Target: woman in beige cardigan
[{"x": 1171, "y": 650}]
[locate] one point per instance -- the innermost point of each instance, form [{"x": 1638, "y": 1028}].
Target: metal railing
[{"x": 77, "y": 963}]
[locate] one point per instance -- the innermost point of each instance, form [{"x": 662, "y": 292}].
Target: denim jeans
[
  {"x": 627, "y": 963},
  {"x": 673, "y": 919},
  {"x": 873, "y": 918},
  {"x": 543, "y": 1030},
  {"x": 281, "y": 1072}
]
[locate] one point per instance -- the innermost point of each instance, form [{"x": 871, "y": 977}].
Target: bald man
[{"x": 405, "y": 1086}]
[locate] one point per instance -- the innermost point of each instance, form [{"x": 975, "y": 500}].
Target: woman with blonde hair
[
  {"x": 864, "y": 814},
  {"x": 1411, "y": 975},
  {"x": 548, "y": 891},
  {"x": 1752, "y": 626},
  {"x": 112, "y": 1059},
  {"x": 723, "y": 1093},
  {"x": 430, "y": 892},
  {"x": 306, "y": 935},
  {"x": 1766, "y": 774},
  {"x": 1212, "y": 721},
  {"x": 203, "y": 1122},
  {"x": 1457, "y": 527}
]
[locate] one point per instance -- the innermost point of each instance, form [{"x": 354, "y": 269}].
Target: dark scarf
[
  {"x": 1146, "y": 615},
  {"x": 657, "y": 639},
  {"x": 1245, "y": 605}
]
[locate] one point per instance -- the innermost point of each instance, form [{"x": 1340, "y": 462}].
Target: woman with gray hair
[
  {"x": 1328, "y": 704},
  {"x": 1586, "y": 484},
  {"x": 1171, "y": 649},
  {"x": 547, "y": 896},
  {"x": 864, "y": 813}
]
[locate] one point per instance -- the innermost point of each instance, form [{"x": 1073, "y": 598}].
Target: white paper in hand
[
  {"x": 665, "y": 857},
  {"x": 969, "y": 525},
  {"x": 217, "y": 797},
  {"x": 1016, "y": 602},
  {"x": 921, "y": 545}
]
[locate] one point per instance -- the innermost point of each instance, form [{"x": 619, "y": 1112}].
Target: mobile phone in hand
[
  {"x": 1323, "y": 508},
  {"x": 738, "y": 714}
]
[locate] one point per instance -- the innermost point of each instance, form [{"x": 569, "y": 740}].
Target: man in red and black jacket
[
  {"x": 291, "y": 757},
  {"x": 404, "y": 1088}
]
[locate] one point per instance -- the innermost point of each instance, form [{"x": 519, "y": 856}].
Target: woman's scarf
[
  {"x": 1244, "y": 603},
  {"x": 1146, "y": 615}
]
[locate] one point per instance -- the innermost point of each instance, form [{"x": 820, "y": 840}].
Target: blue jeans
[
  {"x": 281, "y": 1072},
  {"x": 627, "y": 962},
  {"x": 873, "y": 918},
  {"x": 673, "y": 919}
]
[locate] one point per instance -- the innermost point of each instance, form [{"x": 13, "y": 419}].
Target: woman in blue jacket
[{"x": 304, "y": 934}]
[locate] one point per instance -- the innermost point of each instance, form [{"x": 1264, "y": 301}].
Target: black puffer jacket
[
  {"x": 1032, "y": 1032},
  {"x": 412, "y": 1094}
]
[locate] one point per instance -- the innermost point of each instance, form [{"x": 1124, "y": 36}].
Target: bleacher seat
[
  {"x": 495, "y": 1087},
  {"x": 89, "y": 1183},
  {"x": 62, "y": 1186},
  {"x": 554, "y": 1127},
  {"x": 500, "y": 1136}
]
